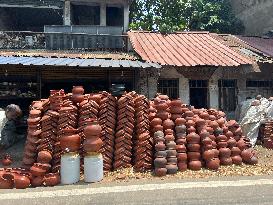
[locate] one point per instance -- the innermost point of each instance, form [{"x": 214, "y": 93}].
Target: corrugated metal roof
[
  {"x": 265, "y": 45},
  {"x": 39, "y": 61},
  {"x": 184, "y": 49}
]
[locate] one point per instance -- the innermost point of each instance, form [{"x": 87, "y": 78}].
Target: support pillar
[
  {"x": 184, "y": 89},
  {"x": 67, "y": 13},
  {"x": 103, "y": 14},
  {"x": 213, "y": 93},
  {"x": 126, "y": 17}
]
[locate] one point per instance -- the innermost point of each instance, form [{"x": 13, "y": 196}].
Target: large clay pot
[
  {"x": 224, "y": 152},
  {"x": 163, "y": 115},
  {"x": 195, "y": 165},
  {"x": 37, "y": 181},
  {"x": 231, "y": 142},
  {"x": 92, "y": 145},
  {"x": 77, "y": 98},
  {"x": 38, "y": 170},
  {"x": 247, "y": 154},
  {"x": 52, "y": 179},
  {"x": 176, "y": 103},
  {"x": 6, "y": 181},
  {"x": 93, "y": 129},
  {"x": 180, "y": 148},
  {"x": 182, "y": 157},
  {"x": 70, "y": 143},
  {"x": 213, "y": 164},
  {"x": 21, "y": 181},
  {"x": 208, "y": 155}
]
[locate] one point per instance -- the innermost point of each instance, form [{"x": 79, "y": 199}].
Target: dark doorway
[
  {"x": 199, "y": 93},
  {"x": 227, "y": 95},
  {"x": 114, "y": 16}
]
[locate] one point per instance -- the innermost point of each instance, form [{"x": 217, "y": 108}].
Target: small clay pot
[
  {"x": 44, "y": 157},
  {"x": 193, "y": 138},
  {"x": 171, "y": 145},
  {"x": 171, "y": 168},
  {"x": 237, "y": 160},
  {"x": 226, "y": 161},
  {"x": 160, "y": 146},
  {"x": 161, "y": 154},
  {"x": 213, "y": 164},
  {"x": 182, "y": 166},
  {"x": 70, "y": 143},
  {"x": 194, "y": 156},
  {"x": 93, "y": 129},
  {"x": 193, "y": 147},
  {"x": 21, "y": 181},
  {"x": 172, "y": 160},
  {"x": 160, "y": 162},
  {"x": 231, "y": 142},
  {"x": 171, "y": 153},
  {"x": 160, "y": 172},
  {"x": 182, "y": 157},
  {"x": 156, "y": 121},
  {"x": 92, "y": 145},
  {"x": 180, "y": 121},
  {"x": 52, "y": 179},
  {"x": 78, "y": 90},
  {"x": 169, "y": 138},
  {"x": 224, "y": 152},
  {"x": 6, "y": 181},
  {"x": 235, "y": 151},
  {"x": 169, "y": 132},
  {"x": 181, "y": 148},
  {"x": 208, "y": 155},
  {"x": 168, "y": 124},
  {"x": 181, "y": 129}
]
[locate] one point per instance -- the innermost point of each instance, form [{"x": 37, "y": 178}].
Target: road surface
[{"x": 240, "y": 190}]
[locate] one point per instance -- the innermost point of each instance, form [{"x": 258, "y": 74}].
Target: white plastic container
[
  {"x": 70, "y": 168},
  {"x": 93, "y": 168}
]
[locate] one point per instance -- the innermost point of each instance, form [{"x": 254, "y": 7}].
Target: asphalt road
[{"x": 245, "y": 191}]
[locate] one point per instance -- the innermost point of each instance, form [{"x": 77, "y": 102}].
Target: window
[
  {"x": 259, "y": 83},
  {"x": 169, "y": 87}
]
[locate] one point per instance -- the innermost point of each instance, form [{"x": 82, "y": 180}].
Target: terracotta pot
[
  {"x": 221, "y": 121},
  {"x": 168, "y": 124},
  {"x": 238, "y": 132},
  {"x": 52, "y": 179},
  {"x": 180, "y": 121},
  {"x": 222, "y": 144},
  {"x": 21, "y": 181},
  {"x": 6, "y": 161},
  {"x": 96, "y": 98},
  {"x": 182, "y": 157},
  {"x": 38, "y": 170},
  {"x": 204, "y": 115},
  {"x": 216, "y": 153},
  {"x": 247, "y": 154},
  {"x": 163, "y": 115},
  {"x": 195, "y": 165},
  {"x": 169, "y": 132},
  {"x": 181, "y": 148},
  {"x": 210, "y": 129},
  {"x": 156, "y": 121},
  {"x": 193, "y": 138},
  {"x": 159, "y": 134},
  {"x": 93, "y": 129},
  {"x": 194, "y": 156},
  {"x": 189, "y": 114},
  {"x": 160, "y": 162},
  {"x": 176, "y": 110},
  {"x": 176, "y": 103},
  {"x": 206, "y": 141},
  {"x": 231, "y": 142},
  {"x": 159, "y": 139},
  {"x": 169, "y": 138},
  {"x": 237, "y": 160},
  {"x": 213, "y": 164},
  {"x": 226, "y": 161},
  {"x": 193, "y": 147},
  {"x": 158, "y": 128},
  {"x": 181, "y": 141},
  {"x": 160, "y": 146},
  {"x": 37, "y": 181},
  {"x": 161, "y": 154},
  {"x": 44, "y": 157},
  {"x": 190, "y": 123},
  {"x": 171, "y": 168},
  {"x": 6, "y": 181},
  {"x": 77, "y": 98},
  {"x": 171, "y": 153},
  {"x": 182, "y": 166},
  {"x": 180, "y": 129},
  {"x": 175, "y": 116},
  {"x": 229, "y": 134},
  {"x": 191, "y": 129},
  {"x": 92, "y": 145},
  {"x": 224, "y": 152},
  {"x": 235, "y": 151},
  {"x": 70, "y": 143},
  {"x": 253, "y": 161},
  {"x": 78, "y": 90},
  {"x": 160, "y": 172},
  {"x": 171, "y": 145},
  {"x": 172, "y": 160},
  {"x": 208, "y": 155}
]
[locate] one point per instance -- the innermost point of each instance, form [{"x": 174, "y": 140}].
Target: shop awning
[{"x": 71, "y": 62}]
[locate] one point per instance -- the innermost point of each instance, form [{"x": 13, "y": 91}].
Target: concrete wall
[{"x": 256, "y": 15}]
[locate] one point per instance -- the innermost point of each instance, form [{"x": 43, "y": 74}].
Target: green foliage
[{"x": 181, "y": 15}]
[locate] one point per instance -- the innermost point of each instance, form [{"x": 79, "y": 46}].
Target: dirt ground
[{"x": 264, "y": 167}]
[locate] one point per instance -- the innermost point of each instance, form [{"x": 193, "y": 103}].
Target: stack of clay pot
[
  {"x": 88, "y": 109},
  {"x": 160, "y": 160},
  {"x": 33, "y": 136},
  {"x": 124, "y": 132},
  {"x": 77, "y": 94},
  {"x": 268, "y": 135},
  {"x": 92, "y": 134},
  {"x": 143, "y": 146},
  {"x": 107, "y": 120},
  {"x": 248, "y": 154},
  {"x": 181, "y": 143},
  {"x": 176, "y": 109},
  {"x": 47, "y": 150},
  {"x": 56, "y": 99},
  {"x": 14, "y": 178}
]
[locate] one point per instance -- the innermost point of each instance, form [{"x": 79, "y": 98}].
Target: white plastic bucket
[
  {"x": 93, "y": 168},
  {"x": 70, "y": 168}
]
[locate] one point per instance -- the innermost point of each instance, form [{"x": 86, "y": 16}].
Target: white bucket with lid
[
  {"x": 93, "y": 167},
  {"x": 70, "y": 168}
]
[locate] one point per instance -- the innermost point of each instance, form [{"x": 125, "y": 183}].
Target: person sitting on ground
[{"x": 14, "y": 128}]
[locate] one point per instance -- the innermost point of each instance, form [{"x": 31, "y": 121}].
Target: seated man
[{"x": 14, "y": 127}]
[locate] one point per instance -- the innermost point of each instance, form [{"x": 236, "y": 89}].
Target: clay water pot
[
  {"x": 38, "y": 170},
  {"x": 168, "y": 124},
  {"x": 193, "y": 138},
  {"x": 208, "y": 155},
  {"x": 160, "y": 162},
  {"x": 78, "y": 90},
  {"x": 213, "y": 164},
  {"x": 160, "y": 172},
  {"x": 191, "y": 129},
  {"x": 235, "y": 151},
  {"x": 70, "y": 143},
  {"x": 6, "y": 181},
  {"x": 161, "y": 154},
  {"x": 171, "y": 145},
  {"x": 238, "y": 132},
  {"x": 229, "y": 134},
  {"x": 159, "y": 134},
  {"x": 195, "y": 165},
  {"x": 77, "y": 98},
  {"x": 96, "y": 98},
  {"x": 216, "y": 153},
  {"x": 193, "y": 147},
  {"x": 161, "y": 105},
  {"x": 182, "y": 166},
  {"x": 253, "y": 160},
  {"x": 203, "y": 134},
  {"x": 37, "y": 181},
  {"x": 231, "y": 142},
  {"x": 189, "y": 114},
  {"x": 180, "y": 121},
  {"x": 171, "y": 168},
  {"x": 169, "y": 138},
  {"x": 242, "y": 144},
  {"x": 210, "y": 129},
  {"x": 180, "y": 129},
  {"x": 169, "y": 132},
  {"x": 212, "y": 117},
  {"x": 160, "y": 146},
  {"x": 176, "y": 103},
  {"x": 181, "y": 141},
  {"x": 21, "y": 181},
  {"x": 181, "y": 148},
  {"x": 92, "y": 145},
  {"x": 158, "y": 128},
  {"x": 52, "y": 179},
  {"x": 44, "y": 157},
  {"x": 171, "y": 153},
  {"x": 222, "y": 144},
  {"x": 193, "y": 156},
  {"x": 172, "y": 160},
  {"x": 226, "y": 161},
  {"x": 221, "y": 138},
  {"x": 224, "y": 152},
  {"x": 159, "y": 139},
  {"x": 156, "y": 121},
  {"x": 190, "y": 123},
  {"x": 182, "y": 157},
  {"x": 206, "y": 141},
  {"x": 221, "y": 121},
  {"x": 92, "y": 129},
  {"x": 247, "y": 154},
  {"x": 237, "y": 160},
  {"x": 163, "y": 115}
]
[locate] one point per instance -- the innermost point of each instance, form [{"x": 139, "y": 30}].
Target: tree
[{"x": 181, "y": 15}]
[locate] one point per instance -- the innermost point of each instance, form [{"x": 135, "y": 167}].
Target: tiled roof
[
  {"x": 265, "y": 45},
  {"x": 34, "y": 3},
  {"x": 184, "y": 49}
]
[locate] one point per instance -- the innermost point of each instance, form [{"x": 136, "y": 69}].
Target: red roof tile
[
  {"x": 184, "y": 49},
  {"x": 265, "y": 45}
]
